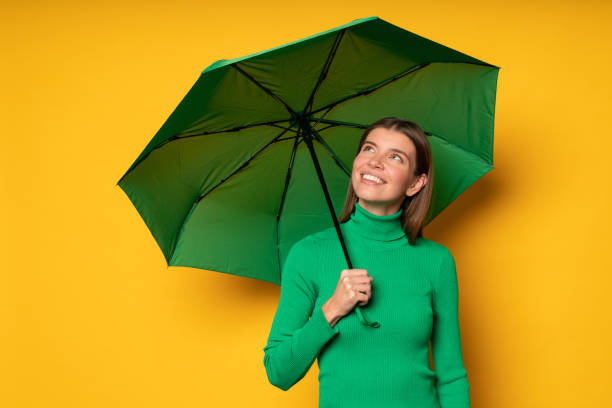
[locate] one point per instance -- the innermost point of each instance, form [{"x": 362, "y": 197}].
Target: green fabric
[
  {"x": 414, "y": 296},
  {"x": 227, "y": 183}
]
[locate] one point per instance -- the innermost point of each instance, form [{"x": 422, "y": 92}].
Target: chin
[{"x": 371, "y": 197}]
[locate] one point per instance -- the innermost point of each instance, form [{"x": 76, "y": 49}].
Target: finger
[
  {"x": 347, "y": 282},
  {"x": 362, "y": 279},
  {"x": 364, "y": 291},
  {"x": 362, "y": 287},
  {"x": 363, "y": 300}
]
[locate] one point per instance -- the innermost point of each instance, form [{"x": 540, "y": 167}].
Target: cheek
[
  {"x": 355, "y": 178},
  {"x": 401, "y": 178},
  {"x": 357, "y": 163}
]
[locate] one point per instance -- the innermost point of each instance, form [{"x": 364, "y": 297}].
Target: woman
[{"x": 408, "y": 283}]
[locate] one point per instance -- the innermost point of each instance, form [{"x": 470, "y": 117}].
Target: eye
[
  {"x": 398, "y": 156},
  {"x": 367, "y": 147}
]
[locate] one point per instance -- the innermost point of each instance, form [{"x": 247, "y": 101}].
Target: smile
[{"x": 372, "y": 178}]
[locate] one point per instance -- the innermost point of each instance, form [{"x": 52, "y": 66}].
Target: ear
[{"x": 417, "y": 185}]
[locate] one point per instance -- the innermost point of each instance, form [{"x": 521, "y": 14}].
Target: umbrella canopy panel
[
  {"x": 228, "y": 184},
  {"x": 239, "y": 226}
]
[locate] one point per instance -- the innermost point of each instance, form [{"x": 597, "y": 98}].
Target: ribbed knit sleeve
[
  {"x": 452, "y": 383},
  {"x": 295, "y": 340}
]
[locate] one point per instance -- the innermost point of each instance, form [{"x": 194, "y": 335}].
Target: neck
[
  {"x": 376, "y": 227},
  {"x": 381, "y": 209}
]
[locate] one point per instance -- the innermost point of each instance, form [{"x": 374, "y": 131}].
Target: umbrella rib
[
  {"x": 195, "y": 203},
  {"x": 460, "y": 148},
  {"x": 374, "y": 87},
  {"x": 246, "y": 163},
  {"x": 282, "y": 202},
  {"x": 236, "y": 129},
  {"x": 282, "y": 127},
  {"x": 326, "y": 127},
  {"x": 323, "y": 75},
  {"x": 266, "y": 90},
  {"x": 322, "y": 117},
  {"x": 339, "y": 162},
  {"x": 339, "y": 123},
  {"x": 289, "y": 138}
]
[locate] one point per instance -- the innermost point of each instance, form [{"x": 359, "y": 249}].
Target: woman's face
[{"x": 389, "y": 156}]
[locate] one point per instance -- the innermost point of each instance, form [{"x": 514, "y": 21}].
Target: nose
[{"x": 375, "y": 162}]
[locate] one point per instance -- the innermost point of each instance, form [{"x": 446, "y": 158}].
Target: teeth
[{"x": 373, "y": 178}]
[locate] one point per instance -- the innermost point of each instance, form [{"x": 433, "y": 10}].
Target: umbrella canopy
[{"x": 229, "y": 182}]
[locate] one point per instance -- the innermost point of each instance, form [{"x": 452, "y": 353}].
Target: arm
[
  {"x": 295, "y": 341},
  {"x": 452, "y": 383}
]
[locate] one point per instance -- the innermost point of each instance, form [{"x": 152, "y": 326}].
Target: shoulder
[
  {"x": 309, "y": 244},
  {"x": 435, "y": 248},
  {"x": 325, "y": 234},
  {"x": 312, "y": 244},
  {"x": 439, "y": 257},
  {"x": 302, "y": 245},
  {"x": 319, "y": 238},
  {"x": 443, "y": 268},
  {"x": 435, "y": 251}
]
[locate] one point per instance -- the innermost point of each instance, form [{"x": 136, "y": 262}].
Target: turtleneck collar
[{"x": 370, "y": 226}]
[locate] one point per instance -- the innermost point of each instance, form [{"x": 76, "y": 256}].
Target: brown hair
[{"x": 414, "y": 207}]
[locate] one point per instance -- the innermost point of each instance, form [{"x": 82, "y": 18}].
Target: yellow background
[{"x": 92, "y": 316}]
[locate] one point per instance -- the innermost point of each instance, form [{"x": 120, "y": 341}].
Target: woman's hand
[{"x": 354, "y": 286}]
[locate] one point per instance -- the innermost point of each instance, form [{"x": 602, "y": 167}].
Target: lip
[{"x": 365, "y": 181}]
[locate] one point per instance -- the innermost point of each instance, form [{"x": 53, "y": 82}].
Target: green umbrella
[{"x": 258, "y": 154}]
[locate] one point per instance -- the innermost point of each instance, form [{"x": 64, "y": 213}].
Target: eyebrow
[{"x": 392, "y": 149}]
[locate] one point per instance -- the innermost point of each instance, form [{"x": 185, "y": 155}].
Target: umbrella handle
[
  {"x": 306, "y": 133},
  {"x": 364, "y": 320}
]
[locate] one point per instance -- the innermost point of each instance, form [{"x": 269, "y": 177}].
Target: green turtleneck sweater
[{"x": 414, "y": 298}]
